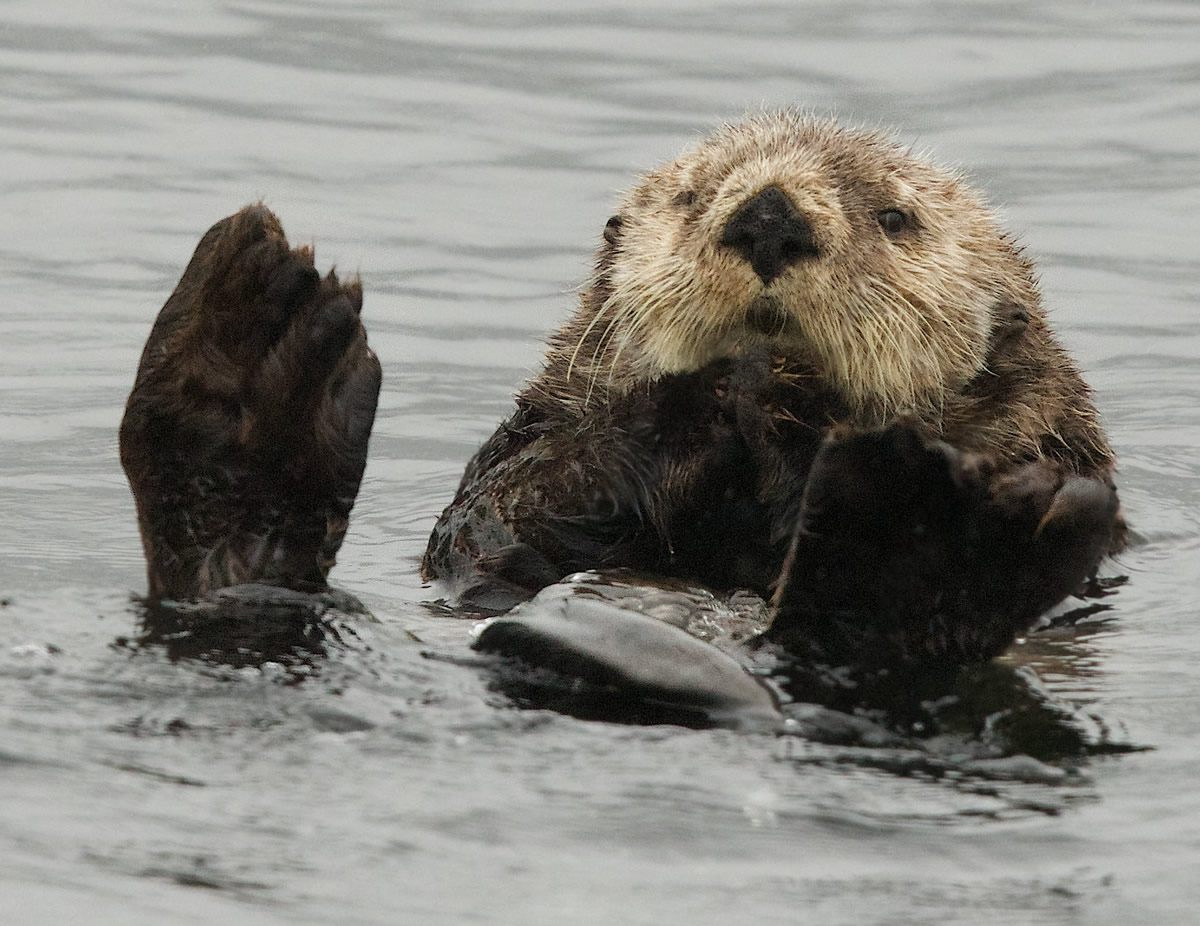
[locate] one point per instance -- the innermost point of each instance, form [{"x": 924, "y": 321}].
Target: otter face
[{"x": 834, "y": 245}]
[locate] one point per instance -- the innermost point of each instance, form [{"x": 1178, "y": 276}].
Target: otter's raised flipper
[
  {"x": 245, "y": 436},
  {"x": 909, "y": 552}
]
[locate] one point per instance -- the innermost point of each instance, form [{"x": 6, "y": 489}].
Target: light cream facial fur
[{"x": 894, "y": 321}]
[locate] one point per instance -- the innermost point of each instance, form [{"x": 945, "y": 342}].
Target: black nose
[{"x": 770, "y": 232}]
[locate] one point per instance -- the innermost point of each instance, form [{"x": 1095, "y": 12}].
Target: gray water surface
[{"x": 464, "y": 156}]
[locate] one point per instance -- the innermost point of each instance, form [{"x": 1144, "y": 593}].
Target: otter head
[{"x": 838, "y": 246}]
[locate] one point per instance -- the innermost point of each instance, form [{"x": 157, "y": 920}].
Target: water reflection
[
  {"x": 612, "y": 647},
  {"x": 250, "y": 626}
]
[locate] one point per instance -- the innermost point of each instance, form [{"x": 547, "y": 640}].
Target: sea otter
[{"x": 810, "y": 363}]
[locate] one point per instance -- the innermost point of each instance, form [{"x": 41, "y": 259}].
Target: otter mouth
[{"x": 767, "y": 318}]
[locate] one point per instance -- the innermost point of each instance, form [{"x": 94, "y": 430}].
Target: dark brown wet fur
[{"x": 245, "y": 436}]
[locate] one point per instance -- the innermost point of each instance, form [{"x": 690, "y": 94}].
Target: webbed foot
[
  {"x": 245, "y": 436},
  {"x": 910, "y": 552}
]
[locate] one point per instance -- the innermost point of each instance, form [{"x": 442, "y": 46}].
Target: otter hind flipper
[
  {"x": 245, "y": 436},
  {"x": 910, "y": 552}
]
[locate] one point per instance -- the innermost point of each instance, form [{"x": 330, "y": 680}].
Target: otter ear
[
  {"x": 612, "y": 229},
  {"x": 1012, "y": 316},
  {"x": 1009, "y": 321}
]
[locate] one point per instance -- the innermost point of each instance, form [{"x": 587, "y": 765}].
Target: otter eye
[
  {"x": 612, "y": 229},
  {"x": 893, "y": 221},
  {"x": 686, "y": 198}
]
